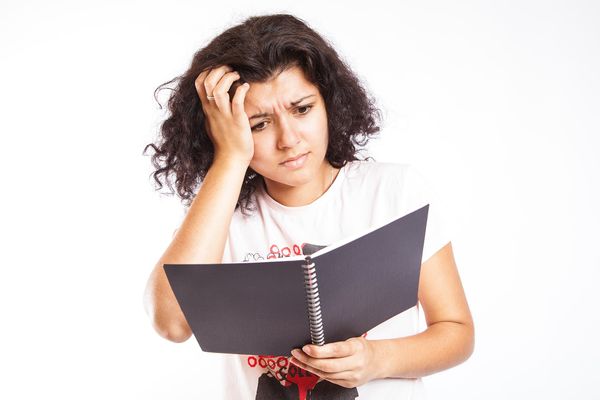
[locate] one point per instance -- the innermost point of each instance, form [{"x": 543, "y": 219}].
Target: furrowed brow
[{"x": 292, "y": 104}]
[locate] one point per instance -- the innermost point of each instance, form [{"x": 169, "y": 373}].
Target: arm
[
  {"x": 447, "y": 341},
  {"x": 202, "y": 235},
  {"x": 449, "y": 338},
  {"x": 201, "y": 238}
]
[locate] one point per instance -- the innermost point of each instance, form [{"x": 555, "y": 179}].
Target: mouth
[{"x": 295, "y": 162}]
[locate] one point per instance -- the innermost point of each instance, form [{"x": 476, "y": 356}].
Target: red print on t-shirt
[
  {"x": 276, "y": 252},
  {"x": 286, "y": 373}
]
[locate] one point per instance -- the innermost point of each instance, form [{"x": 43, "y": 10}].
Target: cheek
[
  {"x": 319, "y": 125},
  {"x": 319, "y": 132},
  {"x": 261, "y": 152}
]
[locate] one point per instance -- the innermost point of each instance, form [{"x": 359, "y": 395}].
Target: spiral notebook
[{"x": 340, "y": 291}]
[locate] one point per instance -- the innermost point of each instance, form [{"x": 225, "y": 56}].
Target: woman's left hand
[{"x": 349, "y": 363}]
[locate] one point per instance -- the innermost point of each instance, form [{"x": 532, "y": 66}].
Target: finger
[
  {"x": 221, "y": 91},
  {"x": 330, "y": 350},
  {"x": 309, "y": 368},
  {"x": 328, "y": 365},
  {"x": 346, "y": 374},
  {"x": 237, "y": 104},
  {"x": 200, "y": 89},
  {"x": 214, "y": 77}
]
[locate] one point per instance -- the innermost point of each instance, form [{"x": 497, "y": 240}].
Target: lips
[
  {"x": 294, "y": 163},
  {"x": 294, "y": 158}
]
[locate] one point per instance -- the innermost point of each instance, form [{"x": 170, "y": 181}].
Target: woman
[{"x": 277, "y": 160}]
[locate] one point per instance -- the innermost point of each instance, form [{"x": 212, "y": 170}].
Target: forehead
[{"x": 288, "y": 86}]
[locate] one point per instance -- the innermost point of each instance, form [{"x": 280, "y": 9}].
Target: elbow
[
  {"x": 469, "y": 341},
  {"x": 465, "y": 335},
  {"x": 176, "y": 332},
  {"x": 174, "y": 329},
  {"x": 462, "y": 337}
]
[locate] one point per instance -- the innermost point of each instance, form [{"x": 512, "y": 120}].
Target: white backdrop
[{"x": 497, "y": 103}]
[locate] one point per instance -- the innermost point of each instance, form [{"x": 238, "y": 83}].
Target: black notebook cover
[{"x": 261, "y": 307}]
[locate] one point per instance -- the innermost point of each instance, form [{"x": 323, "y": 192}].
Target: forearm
[
  {"x": 441, "y": 346},
  {"x": 202, "y": 235},
  {"x": 201, "y": 238}
]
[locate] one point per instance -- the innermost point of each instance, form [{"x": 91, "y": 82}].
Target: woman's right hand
[{"x": 227, "y": 123}]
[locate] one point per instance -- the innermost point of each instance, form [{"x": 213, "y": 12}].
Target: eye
[
  {"x": 260, "y": 126},
  {"x": 305, "y": 107}
]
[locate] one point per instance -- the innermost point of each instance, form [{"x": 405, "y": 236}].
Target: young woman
[{"x": 269, "y": 164}]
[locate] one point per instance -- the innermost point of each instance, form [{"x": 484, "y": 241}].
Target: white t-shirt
[{"x": 363, "y": 196}]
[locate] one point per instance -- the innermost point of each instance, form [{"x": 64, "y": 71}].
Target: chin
[
  {"x": 291, "y": 181},
  {"x": 291, "y": 178}
]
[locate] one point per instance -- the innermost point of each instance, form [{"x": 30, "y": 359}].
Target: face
[{"x": 289, "y": 122}]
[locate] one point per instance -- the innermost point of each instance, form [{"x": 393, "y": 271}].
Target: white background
[{"x": 497, "y": 103}]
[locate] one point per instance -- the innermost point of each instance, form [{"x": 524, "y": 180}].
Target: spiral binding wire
[{"x": 311, "y": 287}]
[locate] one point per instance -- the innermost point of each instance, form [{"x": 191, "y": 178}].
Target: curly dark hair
[{"x": 258, "y": 49}]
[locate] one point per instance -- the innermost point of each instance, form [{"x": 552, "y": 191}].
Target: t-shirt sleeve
[{"x": 437, "y": 233}]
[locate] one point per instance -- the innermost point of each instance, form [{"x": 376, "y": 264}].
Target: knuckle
[{"x": 200, "y": 77}]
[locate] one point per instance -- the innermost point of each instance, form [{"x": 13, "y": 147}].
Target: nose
[{"x": 288, "y": 137}]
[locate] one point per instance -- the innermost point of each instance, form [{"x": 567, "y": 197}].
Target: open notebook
[{"x": 338, "y": 292}]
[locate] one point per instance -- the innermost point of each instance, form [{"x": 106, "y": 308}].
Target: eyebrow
[{"x": 293, "y": 103}]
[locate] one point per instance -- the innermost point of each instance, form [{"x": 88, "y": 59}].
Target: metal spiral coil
[{"x": 311, "y": 287}]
